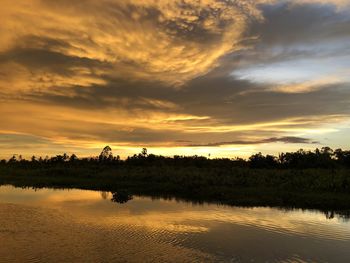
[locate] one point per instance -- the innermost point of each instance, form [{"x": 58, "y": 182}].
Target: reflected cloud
[{"x": 89, "y": 207}]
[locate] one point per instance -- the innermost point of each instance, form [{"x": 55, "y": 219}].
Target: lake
[{"x": 50, "y": 225}]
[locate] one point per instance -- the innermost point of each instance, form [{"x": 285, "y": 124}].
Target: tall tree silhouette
[{"x": 106, "y": 154}]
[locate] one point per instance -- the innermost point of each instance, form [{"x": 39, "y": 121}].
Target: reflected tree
[
  {"x": 121, "y": 197},
  {"x": 104, "y": 195},
  {"x": 330, "y": 214}
]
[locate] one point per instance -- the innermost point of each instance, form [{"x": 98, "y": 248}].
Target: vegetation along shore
[{"x": 317, "y": 179}]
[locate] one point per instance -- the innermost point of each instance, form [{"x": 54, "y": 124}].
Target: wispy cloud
[
  {"x": 155, "y": 73},
  {"x": 297, "y": 140}
]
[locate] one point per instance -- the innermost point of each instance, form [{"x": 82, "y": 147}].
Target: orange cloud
[
  {"x": 57, "y": 58},
  {"x": 140, "y": 39}
]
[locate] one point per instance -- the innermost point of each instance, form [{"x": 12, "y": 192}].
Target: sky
[{"x": 192, "y": 77}]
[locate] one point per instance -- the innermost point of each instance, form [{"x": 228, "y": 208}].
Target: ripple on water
[
  {"x": 296, "y": 222},
  {"x": 45, "y": 235},
  {"x": 79, "y": 226}
]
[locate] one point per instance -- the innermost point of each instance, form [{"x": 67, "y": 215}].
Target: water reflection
[
  {"x": 145, "y": 229},
  {"x": 121, "y": 197},
  {"x": 104, "y": 195}
]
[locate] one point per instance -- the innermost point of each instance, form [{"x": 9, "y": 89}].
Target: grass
[{"x": 323, "y": 189}]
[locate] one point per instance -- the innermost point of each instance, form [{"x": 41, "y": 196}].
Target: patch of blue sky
[{"x": 297, "y": 71}]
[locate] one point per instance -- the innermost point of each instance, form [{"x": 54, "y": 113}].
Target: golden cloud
[
  {"x": 161, "y": 40},
  {"x": 48, "y": 48}
]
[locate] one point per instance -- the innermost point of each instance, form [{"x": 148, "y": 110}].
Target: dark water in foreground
[{"x": 85, "y": 226}]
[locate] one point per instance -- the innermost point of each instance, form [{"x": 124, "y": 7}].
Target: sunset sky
[{"x": 221, "y": 77}]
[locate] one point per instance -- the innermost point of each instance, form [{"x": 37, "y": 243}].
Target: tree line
[{"x": 325, "y": 158}]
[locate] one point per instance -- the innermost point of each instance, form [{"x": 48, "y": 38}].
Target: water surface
[{"x": 86, "y": 226}]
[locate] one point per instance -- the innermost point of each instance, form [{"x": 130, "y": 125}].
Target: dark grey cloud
[
  {"x": 289, "y": 32},
  {"x": 297, "y": 31},
  {"x": 50, "y": 61},
  {"x": 290, "y": 139},
  {"x": 287, "y": 24},
  {"x": 224, "y": 99}
]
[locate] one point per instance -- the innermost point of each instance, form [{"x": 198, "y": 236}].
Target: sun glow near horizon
[{"x": 225, "y": 78}]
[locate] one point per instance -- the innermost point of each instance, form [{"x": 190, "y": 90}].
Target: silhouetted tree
[
  {"x": 13, "y": 159},
  {"x": 324, "y": 158},
  {"x": 144, "y": 152},
  {"x": 106, "y": 154},
  {"x": 65, "y": 157},
  {"x": 343, "y": 157},
  {"x": 260, "y": 161},
  {"x": 73, "y": 158}
]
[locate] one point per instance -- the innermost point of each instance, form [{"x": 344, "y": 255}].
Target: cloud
[
  {"x": 338, "y": 3},
  {"x": 160, "y": 73},
  {"x": 301, "y": 47},
  {"x": 30, "y": 70},
  {"x": 165, "y": 40},
  {"x": 296, "y": 140}
]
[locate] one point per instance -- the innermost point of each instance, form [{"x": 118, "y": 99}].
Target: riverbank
[{"x": 310, "y": 188}]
